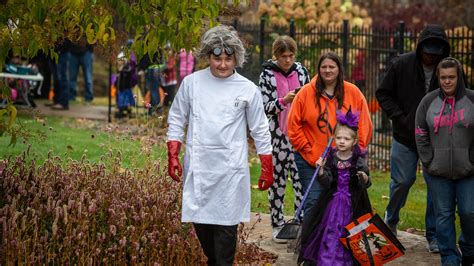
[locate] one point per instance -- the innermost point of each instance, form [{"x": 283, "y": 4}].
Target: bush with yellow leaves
[{"x": 314, "y": 13}]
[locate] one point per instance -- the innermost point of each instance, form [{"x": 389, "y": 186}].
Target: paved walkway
[
  {"x": 76, "y": 110},
  {"x": 416, "y": 252}
]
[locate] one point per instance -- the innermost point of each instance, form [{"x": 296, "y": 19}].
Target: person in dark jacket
[
  {"x": 153, "y": 67},
  {"x": 127, "y": 79},
  {"x": 445, "y": 140},
  {"x": 409, "y": 77}
]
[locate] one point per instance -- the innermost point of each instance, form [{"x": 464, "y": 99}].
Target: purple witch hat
[{"x": 349, "y": 119}]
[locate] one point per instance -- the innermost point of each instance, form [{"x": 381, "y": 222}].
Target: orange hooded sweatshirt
[{"x": 303, "y": 131}]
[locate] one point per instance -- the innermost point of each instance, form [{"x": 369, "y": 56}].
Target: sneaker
[
  {"x": 433, "y": 246},
  {"x": 392, "y": 228},
  {"x": 59, "y": 107},
  {"x": 275, "y": 232}
]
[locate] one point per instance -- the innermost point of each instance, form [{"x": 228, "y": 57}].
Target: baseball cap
[{"x": 434, "y": 47}]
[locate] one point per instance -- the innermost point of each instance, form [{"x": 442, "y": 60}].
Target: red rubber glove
[
  {"x": 173, "y": 160},
  {"x": 266, "y": 178}
]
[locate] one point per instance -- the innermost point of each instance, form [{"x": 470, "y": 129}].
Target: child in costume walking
[
  {"x": 127, "y": 79},
  {"x": 345, "y": 178}
]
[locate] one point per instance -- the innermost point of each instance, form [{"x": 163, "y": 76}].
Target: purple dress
[{"x": 324, "y": 247}]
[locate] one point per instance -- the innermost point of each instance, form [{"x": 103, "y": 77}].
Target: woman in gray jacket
[{"x": 444, "y": 131}]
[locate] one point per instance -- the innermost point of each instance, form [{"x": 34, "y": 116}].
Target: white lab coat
[{"x": 217, "y": 113}]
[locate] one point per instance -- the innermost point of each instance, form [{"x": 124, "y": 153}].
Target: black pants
[{"x": 218, "y": 242}]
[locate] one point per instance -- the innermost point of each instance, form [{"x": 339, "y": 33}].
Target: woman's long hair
[{"x": 320, "y": 86}]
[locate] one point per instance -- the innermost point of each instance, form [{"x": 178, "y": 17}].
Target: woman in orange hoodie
[{"x": 312, "y": 119}]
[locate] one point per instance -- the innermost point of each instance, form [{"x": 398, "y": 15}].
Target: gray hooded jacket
[{"x": 445, "y": 138}]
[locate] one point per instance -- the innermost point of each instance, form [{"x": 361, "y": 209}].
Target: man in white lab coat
[{"x": 215, "y": 107}]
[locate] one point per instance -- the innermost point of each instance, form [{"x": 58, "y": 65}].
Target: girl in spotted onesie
[{"x": 279, "y": 82}]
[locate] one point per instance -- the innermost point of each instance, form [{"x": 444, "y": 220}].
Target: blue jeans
[
  {"x": 403, "y": 165},
  {"x": 306, "y": 172},
  {"x": 153, "y": 81},
  {"x": 125, "y": 99},
  {"x": 446, "y": 195},
  {"x": 83, "y": 60},
  {"x": 63, "y": 81}
]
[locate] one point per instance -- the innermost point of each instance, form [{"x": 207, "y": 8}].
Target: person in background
[
  {"x": 444, "y": 132},
  {"x": 61, "y": 76},
  {"x": 169, "y": 77},
  {"x": 153, "y": 68},
  {"x": 44, "y": 68},
  {"x": 216, "y": 108},
  {"x": 358, "y": 74},
  {"x": 312, "y": 119},
  {"x": 409, "y": 77},
  {"x": 280, "y": 78},
  {"x": 81, "y": 55},
  {"x": 186, "y": 64},
  {"x": 127, "y": 79}
]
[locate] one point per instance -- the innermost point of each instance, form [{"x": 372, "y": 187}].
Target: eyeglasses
[{"x": 218, "y": 51}]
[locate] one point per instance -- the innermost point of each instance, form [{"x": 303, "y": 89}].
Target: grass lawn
[{"x": 71, "y": 139}]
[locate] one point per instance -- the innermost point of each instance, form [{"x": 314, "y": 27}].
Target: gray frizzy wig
[{"x": 214, "y": 37}]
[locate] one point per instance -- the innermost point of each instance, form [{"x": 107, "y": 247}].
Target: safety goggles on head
[{"x": 218, "y": 51}]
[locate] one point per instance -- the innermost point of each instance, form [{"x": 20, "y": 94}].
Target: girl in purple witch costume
[{"x": 345, "y": 177}]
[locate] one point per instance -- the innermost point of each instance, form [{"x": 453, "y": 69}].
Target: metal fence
[{"x": 370, "y": 48}]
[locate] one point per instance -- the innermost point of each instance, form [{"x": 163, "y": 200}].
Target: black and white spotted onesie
[{"x": 283, "y": 155}]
